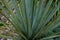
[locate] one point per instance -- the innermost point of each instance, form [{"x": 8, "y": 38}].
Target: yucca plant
[{"x": 33, "y": 19}]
